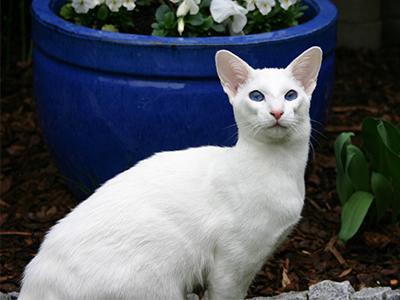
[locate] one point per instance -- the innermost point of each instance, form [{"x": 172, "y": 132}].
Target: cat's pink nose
[{"x": 277, "y": 114}]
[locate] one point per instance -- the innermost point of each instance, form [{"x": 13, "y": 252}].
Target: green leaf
[
  {"x": 218, "y": 27},
  {"x": 159, "y": 32},
  {"x": 208, "y": 22},
  {"x": 102, "y": 12},
  {"x": 344, "y": 187},
  {"x": 109, "y": 27},
  {"x": 353, "y": 214},
  {"x": 391, "y": 140},
  {"x": 390, "y": 136},
  {"x": 372, "y": 143},
  {"x": 195, "y": 20},
  {"x": 169, "y": 19},
  {"x": 357, "y": 168},
  {"x": 383, "y": 192},
  {"x": 382, "y": 141},
  {"x": 161, "y": 11},
  {"x": 67, "y": 11},
  {"x": 205, "y": 3},
  {"x": 341, "y": 141}
]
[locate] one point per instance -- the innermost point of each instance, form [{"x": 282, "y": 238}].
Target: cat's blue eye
[
  {"x": 291, "y": 95},
  {"x": 256, "y": 96}
]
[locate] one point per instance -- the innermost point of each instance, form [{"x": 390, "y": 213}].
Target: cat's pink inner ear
[
  {"x": 305, "y": 68},
  {"x": 232, "y": 71}
]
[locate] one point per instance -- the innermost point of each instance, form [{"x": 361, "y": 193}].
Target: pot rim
[{"x": 326, "y": 14}]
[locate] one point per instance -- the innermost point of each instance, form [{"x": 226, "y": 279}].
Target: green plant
[
  {"x": 368, "y": 185},
  {"x": 167, "y": 24},
  {"x": 276, "y": 19},
  {"x": 189, "y": 18}
]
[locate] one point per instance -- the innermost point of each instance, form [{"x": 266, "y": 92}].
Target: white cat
[{"x": 206, "y": 216}]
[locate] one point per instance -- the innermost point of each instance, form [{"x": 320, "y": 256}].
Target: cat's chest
[{"x": 271, "y": 201}]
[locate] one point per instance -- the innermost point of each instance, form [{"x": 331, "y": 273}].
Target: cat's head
[{"x": 270, "y": 104}]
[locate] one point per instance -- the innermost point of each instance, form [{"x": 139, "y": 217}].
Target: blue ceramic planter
[{"x": 108, "y": 100}]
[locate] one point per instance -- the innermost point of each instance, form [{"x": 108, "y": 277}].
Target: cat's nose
[{"x": 277, "y": 114}]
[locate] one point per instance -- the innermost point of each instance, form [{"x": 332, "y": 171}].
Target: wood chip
[
  {"x": 285, "y": 278},
  {"x": 345, "y": 272},
  {"x": 15, "y": 233},
  {"x": 332, "y": 249}
]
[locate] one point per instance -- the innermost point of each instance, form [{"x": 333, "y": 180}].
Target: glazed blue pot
[{"x": 108, "y": 100}]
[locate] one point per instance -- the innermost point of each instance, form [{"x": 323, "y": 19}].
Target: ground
[{"x": 34, "y": 197}]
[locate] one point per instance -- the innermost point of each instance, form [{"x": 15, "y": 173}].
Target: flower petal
[
  {"x": 183, "y": 9},
  {"x": 285, "y": 4},
  {"x": 238, "y": 23},
  {"x": 129, "y": 4},
  {"x": 193, "y": 7},
  {"x": 223, "y": 9}
]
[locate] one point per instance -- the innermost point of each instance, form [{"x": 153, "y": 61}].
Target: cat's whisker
[
  {"x": 314, "y": 139},
  {"x": 315, "y": 121},
  {"x": 312, "y": 150},
  {"x": 258, "y": 130},
  {"x": 320, "y": 134}
]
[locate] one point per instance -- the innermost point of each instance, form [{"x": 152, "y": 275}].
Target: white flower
[
  {"x": 265, "y": 6},
  {"x": 114, "y": 5},
  {"x": 251, "y": 5},
  {"x": 83, "y": 6},
  {"x": 186, "y": 6},
  {"x": 129, "y": 4},
  {"x": 223, "y": 9},
  {"x": 181, "y": 25},
  {"x": 285, "y": 4}
]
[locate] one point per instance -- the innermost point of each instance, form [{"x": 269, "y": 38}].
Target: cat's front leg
[{"x": 230, "y": 280}]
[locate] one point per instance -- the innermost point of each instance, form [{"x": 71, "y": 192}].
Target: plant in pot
[{"x": 118, "y": 80}]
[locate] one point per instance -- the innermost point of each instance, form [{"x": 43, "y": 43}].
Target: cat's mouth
[{"x": 278, "y": 125}]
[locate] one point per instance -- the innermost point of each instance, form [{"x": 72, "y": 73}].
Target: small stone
[
  {"x": 330, "y": 290},
  {"x": 9, "y": 296},
  {"x": 13, "y": 295},
  {"x": 371, "y": 293},
  {"x": 291, "y": 296},
  {"x": 392, "y": 295},
  {"x": 286, "y": 296}
]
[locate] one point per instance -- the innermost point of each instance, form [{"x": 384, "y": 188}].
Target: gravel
[{"x": 325, "y": 290}]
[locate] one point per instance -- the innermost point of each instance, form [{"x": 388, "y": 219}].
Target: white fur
[{"x": 206, "y": 216}]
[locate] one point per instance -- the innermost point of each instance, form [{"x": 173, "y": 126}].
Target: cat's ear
[
  {"x": 305, "y": 68},
  {"x": 232, "y": 71}
]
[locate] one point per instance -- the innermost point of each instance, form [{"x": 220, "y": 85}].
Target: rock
[
  {"x": 330, "y": 290},
  {"x": 291, "y": 296},
  {"x": 392, "y": 295},
  {"x": 371, "y": 293},
  {"x": 9, "y": 296},
  {"x": 286, "y": 296}
]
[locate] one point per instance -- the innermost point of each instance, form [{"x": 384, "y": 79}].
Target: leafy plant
[
  {"x": 99, "y": 17},
  {"x": 368, "y": 185},
  {"x": 189, "y": 18},
  {"x": 167, "y": 24},
  {"x": 278, "y": 18}
]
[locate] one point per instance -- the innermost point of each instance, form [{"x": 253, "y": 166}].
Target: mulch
[{"x": 34, "y": 197}]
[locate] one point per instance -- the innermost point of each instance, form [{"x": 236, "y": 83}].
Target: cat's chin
[{"x": 275, "y": 133}]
